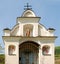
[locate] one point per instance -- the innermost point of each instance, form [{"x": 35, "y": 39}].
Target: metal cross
[{"x": 27, "y": 7}]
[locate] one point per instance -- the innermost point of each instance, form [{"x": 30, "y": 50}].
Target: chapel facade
[{"x": 29, "y": 42}]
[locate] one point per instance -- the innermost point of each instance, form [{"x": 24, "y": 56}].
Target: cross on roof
[{"x": 27, "y": 7}]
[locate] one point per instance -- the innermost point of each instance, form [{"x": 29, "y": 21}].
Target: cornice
[
  {"x": 28, "y": 17},
  {"x": 32, "y": 36}
]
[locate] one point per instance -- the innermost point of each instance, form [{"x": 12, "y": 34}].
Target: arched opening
[{"x": 28, "y": 52}]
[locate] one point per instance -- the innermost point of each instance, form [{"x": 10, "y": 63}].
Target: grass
[
  {"x": 57, "y": 61},
  {"x": 57, "y": 55},
  {"x": 2, "y": 59}
]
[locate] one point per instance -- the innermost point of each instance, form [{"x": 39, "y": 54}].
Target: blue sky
[{"x": 48, "y": 10}]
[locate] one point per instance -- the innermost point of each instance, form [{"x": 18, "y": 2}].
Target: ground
[{"x": 57, "y": 61}]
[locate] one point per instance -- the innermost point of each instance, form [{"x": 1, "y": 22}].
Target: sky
[{"x": 48, "y": 10}]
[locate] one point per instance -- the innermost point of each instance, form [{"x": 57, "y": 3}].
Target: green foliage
[
  {"x": 57, "y": 55},
  {"x": 57, "y": 52},
  {"x": 2, "y": 59}
]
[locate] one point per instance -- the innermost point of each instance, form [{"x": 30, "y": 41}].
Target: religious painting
[
  {"x": 28, "y": 32},
  {"x": 45, "y": 50},
  {"x": 11, "y": 50}
]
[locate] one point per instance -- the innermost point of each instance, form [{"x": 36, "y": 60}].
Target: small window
[
  {"x": 11, "y": 50},
  {"x": 46, "y": 50}
]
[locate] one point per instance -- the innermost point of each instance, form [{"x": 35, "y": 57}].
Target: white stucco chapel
[{"x": 29, "y": 42}]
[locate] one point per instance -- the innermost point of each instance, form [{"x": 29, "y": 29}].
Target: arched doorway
[{"x": 28, "y": 52}]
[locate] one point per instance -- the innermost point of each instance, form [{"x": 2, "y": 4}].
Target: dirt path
[{"x": 57, "y": 61}]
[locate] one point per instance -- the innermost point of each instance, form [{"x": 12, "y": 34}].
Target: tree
[{"x": 1, "y": 49}]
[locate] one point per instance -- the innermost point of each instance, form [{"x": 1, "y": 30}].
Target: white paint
[{"x": 17, "y": 36}]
